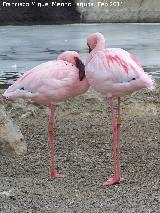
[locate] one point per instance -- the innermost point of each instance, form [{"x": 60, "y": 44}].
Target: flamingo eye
[{"x": 133, "y": 79}]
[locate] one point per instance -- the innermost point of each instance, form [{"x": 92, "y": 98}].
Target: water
[{"x": 23, "y": 47}]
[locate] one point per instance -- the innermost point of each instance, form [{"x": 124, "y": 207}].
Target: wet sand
[{"x": 83, "y": 150}]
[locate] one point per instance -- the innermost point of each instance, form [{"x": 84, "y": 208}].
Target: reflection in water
[{"x": 23, "y": 47}]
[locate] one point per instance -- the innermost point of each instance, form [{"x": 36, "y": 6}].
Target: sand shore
[{"x": 83, "y": 150}]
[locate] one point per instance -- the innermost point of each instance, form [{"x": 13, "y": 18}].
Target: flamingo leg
[
  {"x": 116, "y": 122},
  {"x": 52, "y": 147},
  {"x": 119, "y": 121}
]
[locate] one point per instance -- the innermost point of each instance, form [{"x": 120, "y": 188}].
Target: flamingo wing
[
  {"x": 46, "y": 80},
  {"x": 115, "y": 72},
  {"x": 115, "y": 65},
  {"x": 52, "y": 73},
  {"x": 123, "y": 66}
]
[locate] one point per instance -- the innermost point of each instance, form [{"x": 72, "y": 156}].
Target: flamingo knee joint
[
  {"x": 50, "y": 127},
  {"x": 119, "y": 120}
]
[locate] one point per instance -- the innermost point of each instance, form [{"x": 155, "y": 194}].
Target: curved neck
[
  {"x": 100, "y": 46},
  {"x": 100, "y": 43}
]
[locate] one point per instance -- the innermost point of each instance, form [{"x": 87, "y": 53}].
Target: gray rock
[
  {"x": 120, "y": 11},
  {"x": 11, "y": 138}
]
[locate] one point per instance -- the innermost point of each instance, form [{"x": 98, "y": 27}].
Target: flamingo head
[
  {"x": 74, "y": 58},
  {"x": 95, "y": 39}
]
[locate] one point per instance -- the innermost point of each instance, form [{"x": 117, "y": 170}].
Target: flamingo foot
[
  {"x": 112, "y": 181},
  {"x": 57, "y": 175}
]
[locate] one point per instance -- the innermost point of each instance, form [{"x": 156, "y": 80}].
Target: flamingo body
[
  {"x": 114, "y": 72},
  {"x": 50, "y": 83}
]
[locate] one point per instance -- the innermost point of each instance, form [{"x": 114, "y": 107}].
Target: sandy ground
[{"x": 83, "y": 150}]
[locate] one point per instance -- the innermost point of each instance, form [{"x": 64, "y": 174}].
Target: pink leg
[
  {"x": 119, "y": 121},
  {"x": 115, "y": 144},
  {"x": 52, "y": 148}
]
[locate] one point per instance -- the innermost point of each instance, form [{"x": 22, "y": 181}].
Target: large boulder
[
  {"x": 119, "y": 11},
  {"x": 11, "y": 138}
]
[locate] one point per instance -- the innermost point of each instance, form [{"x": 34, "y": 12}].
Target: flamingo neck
[{"x": 100, "y": 46}]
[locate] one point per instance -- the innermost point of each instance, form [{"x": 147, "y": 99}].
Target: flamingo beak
[
  {"x": 90, "y": 49},
  {"x": 81, "y": 67}
]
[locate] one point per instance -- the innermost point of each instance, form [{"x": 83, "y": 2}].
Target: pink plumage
[
  {"x": 50, "y": 83},
  {"x": 114, "y": 72}
]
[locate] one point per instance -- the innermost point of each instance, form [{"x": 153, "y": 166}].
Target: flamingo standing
[
  {"x": 114, "y": 72},
  {"x": 50, "y": 83}
]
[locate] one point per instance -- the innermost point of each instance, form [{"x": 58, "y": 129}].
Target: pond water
[{"x": 23, "y": 47}]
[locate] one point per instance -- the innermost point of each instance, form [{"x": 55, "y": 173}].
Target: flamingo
[
  {"x": 114, "y": 72},
  {"x": 50, "y": 83}
]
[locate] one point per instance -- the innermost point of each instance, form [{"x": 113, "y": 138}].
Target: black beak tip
[
  {"x": 81, "y": 68},
  {"x": 90, "y": 49},
  {"x": 81, "y": 77}
]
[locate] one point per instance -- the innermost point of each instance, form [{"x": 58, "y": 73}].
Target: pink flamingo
[
  {"x": 50, "y": 83},
  {"x": 114, "y": 72}
]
